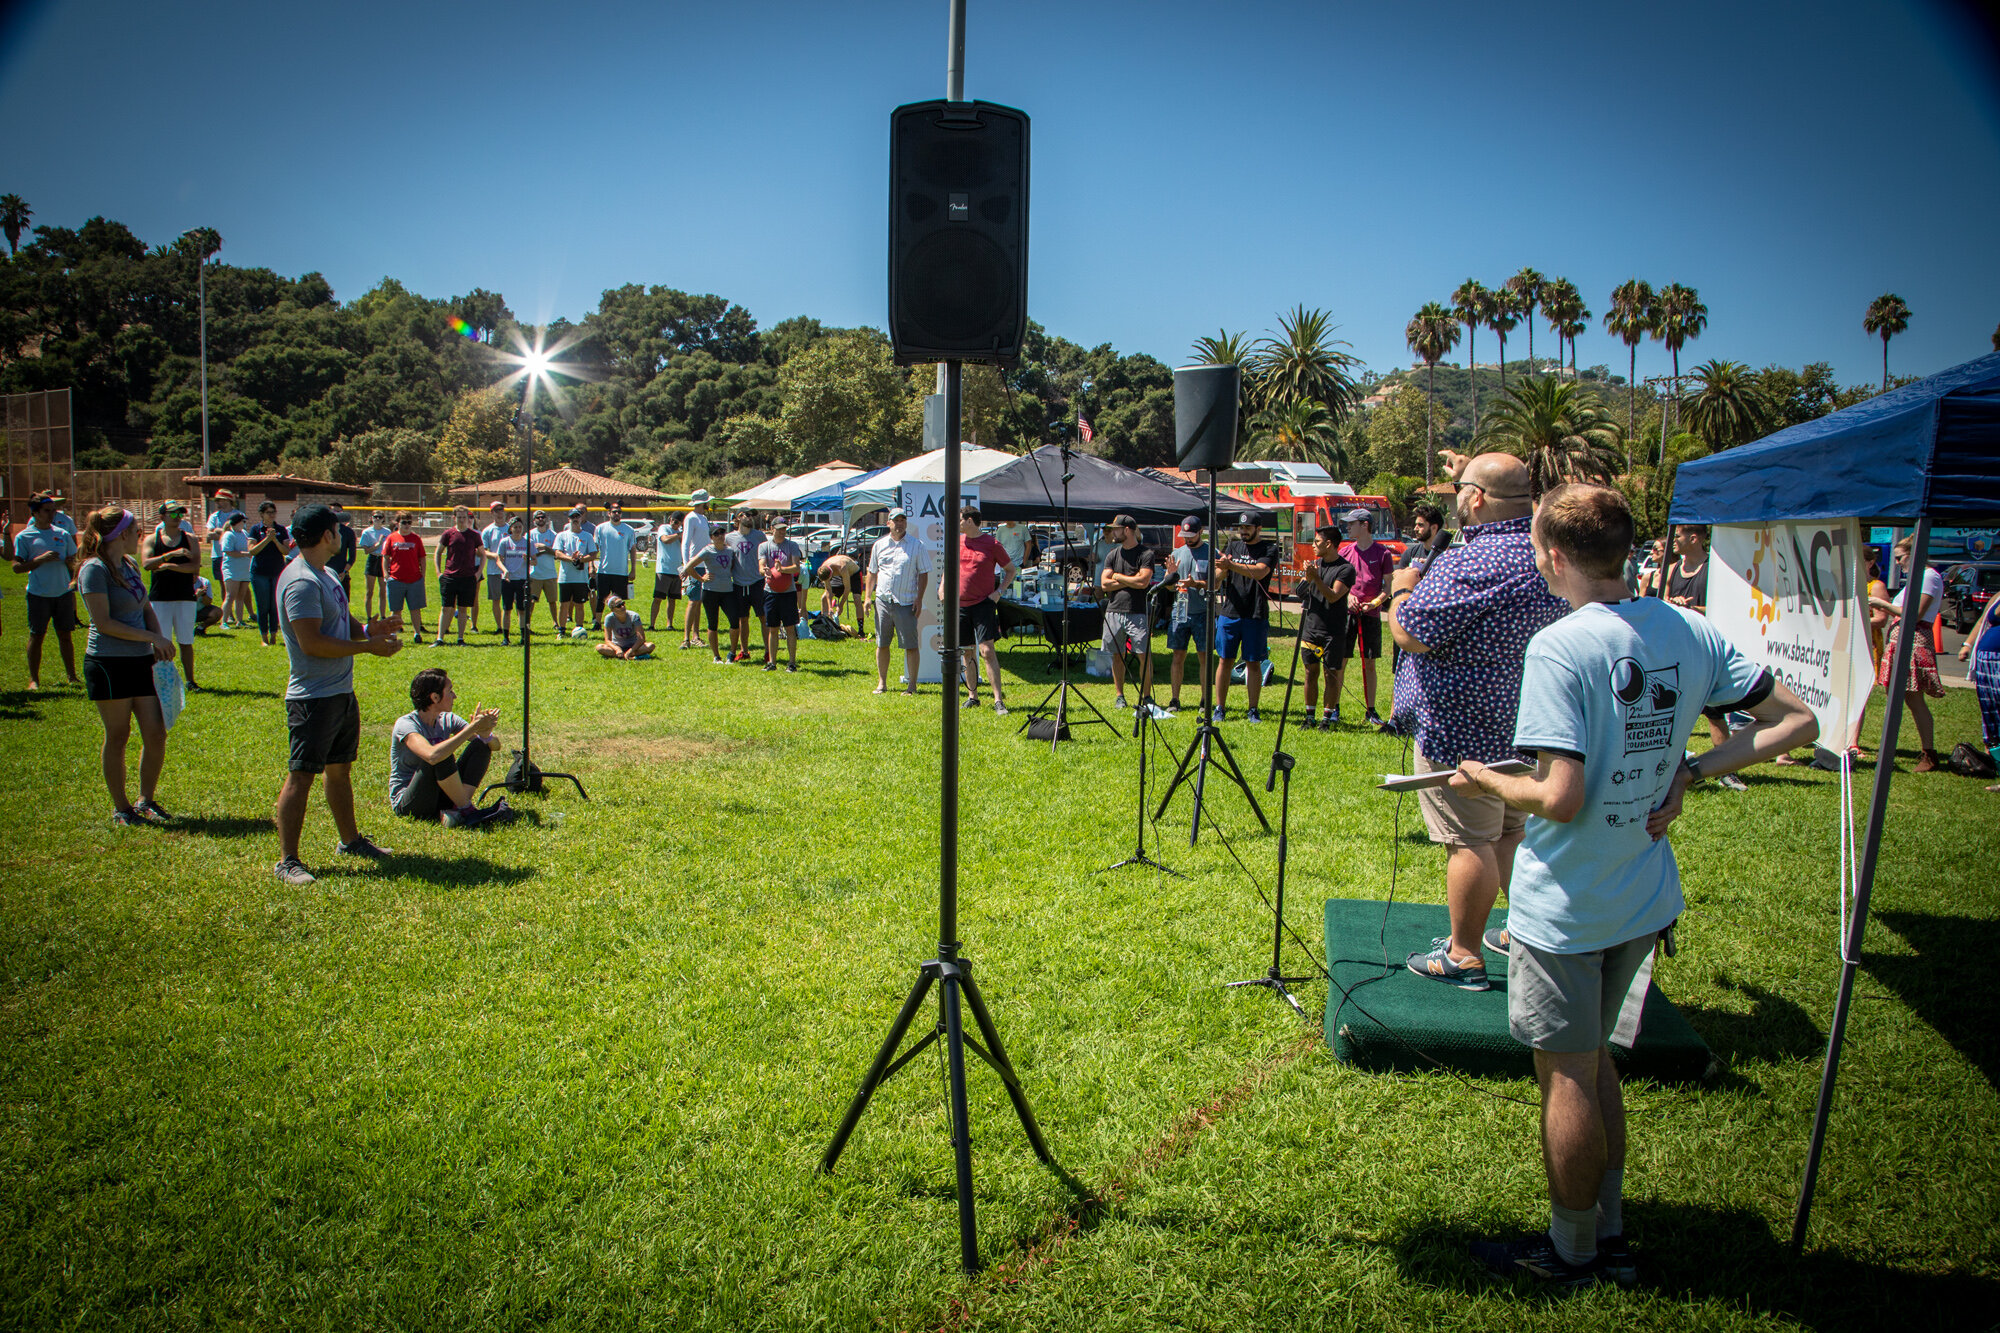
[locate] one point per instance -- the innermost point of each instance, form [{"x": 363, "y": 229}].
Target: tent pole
[{"x": 1878, "y": 808}]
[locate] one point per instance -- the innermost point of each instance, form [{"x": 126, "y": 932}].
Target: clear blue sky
[{"x": 1195, "y": 167}]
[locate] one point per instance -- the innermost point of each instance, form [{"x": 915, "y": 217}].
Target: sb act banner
[
  {"x": 1792, "y": 596},
  {"x": 924, "y": 502}
]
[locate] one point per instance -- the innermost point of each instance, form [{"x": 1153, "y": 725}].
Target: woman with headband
[{"x": 125, "y": 641}]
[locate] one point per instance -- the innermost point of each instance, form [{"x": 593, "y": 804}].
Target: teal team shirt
[
  {"x": 573, "y": 544},
  {"x": 51, "y": 579},
  {"x": 1618, "y": 685},
  {"x": 614, "y": 543}
]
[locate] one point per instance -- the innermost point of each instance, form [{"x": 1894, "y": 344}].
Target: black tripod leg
[
  {"x": 1285, "y": 713},
  {"x": 1015, "y": 1092},
  {"x": 1180, "y": 774},
  {"x": 961, "y": 1126},
  {"x": 918, "y": 990},
  {"x": 1236, "y": 774}
]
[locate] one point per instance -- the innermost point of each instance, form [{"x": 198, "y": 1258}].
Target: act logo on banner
[
  {"x": 1792, "y": 597},
  {"x": 924, "y": 502}
]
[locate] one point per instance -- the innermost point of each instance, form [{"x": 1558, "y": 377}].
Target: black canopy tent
[
  {"x": 1926, "y": 451},
  {"x": 1030, "y": 490}
]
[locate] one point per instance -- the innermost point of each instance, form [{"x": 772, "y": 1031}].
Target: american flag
[{"x": 1083, "y": 428}]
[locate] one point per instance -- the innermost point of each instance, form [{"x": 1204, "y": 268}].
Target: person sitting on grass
[
  {"x": 1607, "y": 694},
  {"x": 436, "y": 757},
  {"x": 624, "y": 637}
]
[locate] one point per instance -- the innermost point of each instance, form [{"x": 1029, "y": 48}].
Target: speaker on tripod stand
[{"x": 1205, "y": 414}]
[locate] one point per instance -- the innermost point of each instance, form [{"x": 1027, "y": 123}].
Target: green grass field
[{"x": 576, "y": 1072}]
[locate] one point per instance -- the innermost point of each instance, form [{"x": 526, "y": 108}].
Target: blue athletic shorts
[{"x": 1248, "y": 636}]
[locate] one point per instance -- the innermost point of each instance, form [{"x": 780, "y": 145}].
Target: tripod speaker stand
[
  {"x": 522, "y": 775},
  {"x": 1275, "y": 979},
  {"x": 1207, "y": 736},
  {"x": 1141, "y": 716},
  {"x": 1055, "y": 704}
]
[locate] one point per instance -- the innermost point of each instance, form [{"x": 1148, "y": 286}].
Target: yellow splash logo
[{"x": 1763, "y": 566}]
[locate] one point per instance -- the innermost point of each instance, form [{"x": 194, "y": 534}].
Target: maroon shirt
[{"x": 461, "y": 552}]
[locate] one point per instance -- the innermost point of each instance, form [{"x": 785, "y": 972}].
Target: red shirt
[
  {"x": 978, "y": 557},
  {"x": 403, "y": 554}
]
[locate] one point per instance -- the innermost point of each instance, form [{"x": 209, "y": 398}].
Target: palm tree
[
  {"x": 1431, "y": 334},
  {"x": 1470, "y": 304},
  {"x": 1302, "y": 363},
  {"x": 1562, "y": 433},
  {"x": 1887, "y": 315},
  {"x": 1563, "y": 304},
  {"x": 1301, "y": 431},
  {"x": 1501, "y": 317},
  {"x": 1527, "y": 287},
  {"x": 1729, "y": 408},
  {"x": 14, "y": 215},
  {"x": 1679, "y": 316},
  {"x": 1631, "y": 318}
]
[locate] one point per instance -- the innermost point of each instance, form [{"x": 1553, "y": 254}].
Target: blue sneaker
[
  {"x": 1250, "y": 715},
  {"x": 1437, "y": 965},
  {"x": 1216, "y": 718},
  {"x": 1536, "y": 1257}
]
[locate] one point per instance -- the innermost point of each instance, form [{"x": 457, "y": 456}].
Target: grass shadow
[
  {"x": 1730, "y": 1257},
  {"x": 222, "y": 826},
  {"x": 1775, "y": 1029},
  {"x": 225, "y": 692},
  {"x": 1967, "y": 1016},
  {"x": 21, "y": 705},
  {"x": 463, "y": 872}
]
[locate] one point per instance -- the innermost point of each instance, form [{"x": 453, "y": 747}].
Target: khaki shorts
[
  {"x": 1466, "y": 821},
  {"x": 540, "y": 588},
  {"x": 1574, "y": 1002}
]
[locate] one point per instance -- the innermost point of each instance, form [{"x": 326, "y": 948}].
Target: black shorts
[
  {"x": 720, "y": 608},
  {"x": 666, "y": 586},
  {"x": 324, "y": 731},
  {"x": 62, "y": 610},
  {"x": 373, "y": 569},
  {"x": 614, "y": 585},
  {"x": 573, "y": 594},
  {"x": 108, "y": 678},
  {"x": 514, "y": 592},
  {"x": 978, "y": 623},
  {"x": 1368, "y": 631},
  {"x": 781, "y": 608},
  {"x": 457, "y": 590}
]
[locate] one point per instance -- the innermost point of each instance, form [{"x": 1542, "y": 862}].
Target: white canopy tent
[{"x": 882, "y": 488}]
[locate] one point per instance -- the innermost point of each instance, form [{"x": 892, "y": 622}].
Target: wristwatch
[{"x": 1693, "y": 766}]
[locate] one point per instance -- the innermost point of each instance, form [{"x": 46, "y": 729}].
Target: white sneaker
[{"x": 1118, "y": 701}]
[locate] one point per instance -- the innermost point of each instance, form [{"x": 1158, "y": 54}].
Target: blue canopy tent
[
  {"x": 1928, "y": 451},
  {"x": 830, "y": 499}
]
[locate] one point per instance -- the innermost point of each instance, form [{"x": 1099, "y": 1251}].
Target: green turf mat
[{"x": 1462, "y": 1030}]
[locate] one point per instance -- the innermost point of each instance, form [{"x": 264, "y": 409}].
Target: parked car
[{"x": 1967, "y": 588}]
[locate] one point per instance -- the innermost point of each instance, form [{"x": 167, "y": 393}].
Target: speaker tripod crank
[{"x": 1275, "y": 979}]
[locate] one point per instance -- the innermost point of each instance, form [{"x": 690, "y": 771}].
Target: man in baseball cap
[
  {"x": 490, "y": 538},
  {"x": 220, "y": 506}
]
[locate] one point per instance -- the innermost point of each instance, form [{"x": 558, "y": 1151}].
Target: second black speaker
[{"x": 958, "y": 232}]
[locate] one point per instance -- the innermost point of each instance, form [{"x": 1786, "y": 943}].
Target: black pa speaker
[
  {"x": 1205, "y": 417},
  {"x": 958, "y": 232}
]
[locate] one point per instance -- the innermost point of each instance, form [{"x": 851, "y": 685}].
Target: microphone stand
[
  {"x": 1208, "y": 736},
  {"x": 1281, "y": 762},
  {"x": 1142, "y": 715}
]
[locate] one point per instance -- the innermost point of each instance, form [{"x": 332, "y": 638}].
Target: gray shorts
[
  {"x": 894, "y": 621},
  {"x": 405, "y": 596},
  {"x": 1122, "y": 625},
  {"x": 1576, "y": 1002},
  {"x": 494, "y": 591}
]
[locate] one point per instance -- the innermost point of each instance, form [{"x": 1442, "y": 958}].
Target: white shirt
[
  {"x": 896, "y": 565},
  {"x": 694, "y": 533},
  {"x": 1933, "y": 584}
]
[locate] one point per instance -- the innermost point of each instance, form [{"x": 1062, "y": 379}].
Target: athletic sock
[
  {"x": 1611, "y": 1204},
  {"x": 1574, "y": 1232}
]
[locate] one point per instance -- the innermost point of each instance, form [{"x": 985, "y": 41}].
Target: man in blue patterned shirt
[{"x": 1463, "y": 624}]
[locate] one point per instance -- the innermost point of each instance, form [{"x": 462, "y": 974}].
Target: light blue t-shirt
[
  {"x": 218, "y": 524},
  {"x": 513, "y": 557},
  {"x": 542, "y": 541},
  {"x": 1618, "y": 685},
  {"x": 305, "y": 593},
  {"x": 573, "y": 544},
  {"x": 51, "y": 579},
  {"x": 236, "y": 557},
  {"x": 490, "y": 538},
  {"x": 370, "y": 539},
  {"x": 667, "y": 554},
  {"x": 614, "y": 543}
]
